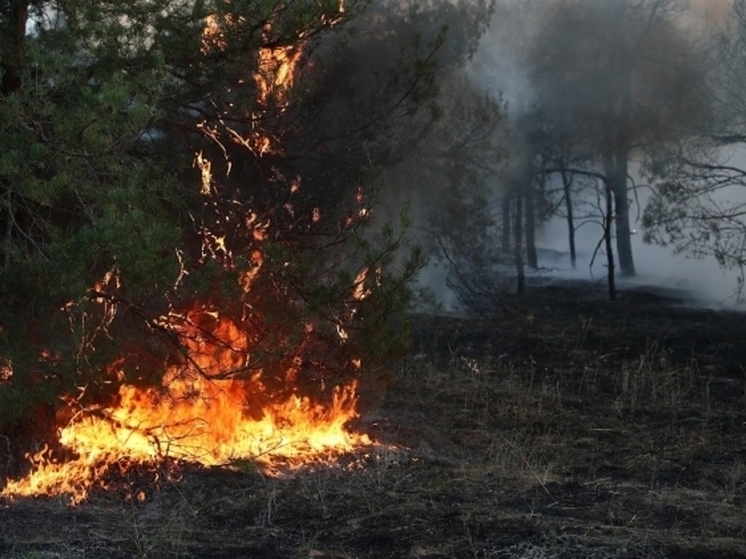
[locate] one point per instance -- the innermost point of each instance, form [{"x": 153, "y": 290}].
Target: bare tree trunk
[
  {"x": 608, "y": 219},
  {"x": 618, "y": 180},
  {"x": 531, "y": 256},
  {"x": 506, "y": 225},
  {"x": 518, "y": 246},
  {"x": 12, "y": 45},
  {"x": 609, "y": 249},
  {"x": 567, "y": 186}
]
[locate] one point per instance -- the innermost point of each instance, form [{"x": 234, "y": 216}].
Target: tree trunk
[
  {"x": 607, "y": 240},
  {"x": 619, "y": 179},
  {"x": 12, "y": 45},
  {"x": 518, "y": 244},
  {"x": 531, "y": 256},
  {"x": 506, "y": 225},
  {"x": 567, "y": 185}
]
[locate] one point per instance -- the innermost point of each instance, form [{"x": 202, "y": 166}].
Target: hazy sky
[{"x": 708, "y": 10}]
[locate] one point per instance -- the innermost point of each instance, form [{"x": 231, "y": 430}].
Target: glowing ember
[
  {"x": 205, "y": 167},
  {"x": 198, "y": 417},
  {"x": 6, "y": 369},
  {"x": 212, "y": 35}
]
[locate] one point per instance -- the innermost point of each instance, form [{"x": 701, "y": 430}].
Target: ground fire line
[{"x": 194, "y": 417}]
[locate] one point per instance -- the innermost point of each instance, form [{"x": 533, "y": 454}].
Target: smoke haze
[{"x": 496, "y": 69}]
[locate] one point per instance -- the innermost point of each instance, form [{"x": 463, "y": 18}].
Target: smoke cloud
[{"x": 497, "y": 69}]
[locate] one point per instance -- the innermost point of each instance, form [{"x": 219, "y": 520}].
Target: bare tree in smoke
[
  {"x": 559, "y": 154},
  {"x": 618, "y": 77}
]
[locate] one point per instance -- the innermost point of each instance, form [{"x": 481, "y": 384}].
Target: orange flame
[
  {"x": 276, "y": 73},
  {"x": 200, "y": 415},
  {"x": 274, "y": 78}
]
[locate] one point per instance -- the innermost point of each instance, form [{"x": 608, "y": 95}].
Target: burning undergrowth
[
  {"x": 206, "y": 411},
  {"x": 255, "y": 371},
  {"x": 252, "y": 370}
]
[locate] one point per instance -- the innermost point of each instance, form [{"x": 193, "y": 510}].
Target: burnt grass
[{"x": 564, "y": 426}]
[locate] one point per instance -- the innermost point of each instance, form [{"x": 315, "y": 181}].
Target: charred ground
[{"x": 565, "y": 426}]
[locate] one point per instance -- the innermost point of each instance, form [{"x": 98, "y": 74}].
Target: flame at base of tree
[
  {"x": 200, "y": 414},
  {"x": 199, "y": 421}
]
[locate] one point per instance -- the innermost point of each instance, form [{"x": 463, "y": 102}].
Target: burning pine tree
[{"x": 176, "y": 283}]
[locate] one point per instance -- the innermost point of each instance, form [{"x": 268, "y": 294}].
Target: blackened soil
[{"x": 564, "y": 425}]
